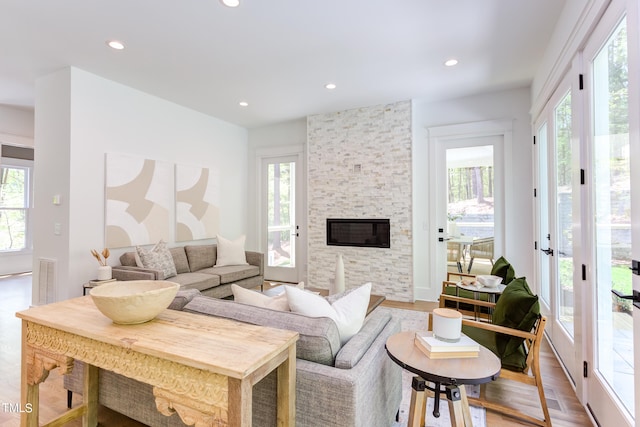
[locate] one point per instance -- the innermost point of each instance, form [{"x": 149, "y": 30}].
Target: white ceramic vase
[
  {"x": 337, "y": 286},
  {"x": 452, "y": 228},
  {"x": 104, "y": 272}
]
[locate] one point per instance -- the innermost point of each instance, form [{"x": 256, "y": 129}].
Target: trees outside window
[{"x": 14, "y": 207}]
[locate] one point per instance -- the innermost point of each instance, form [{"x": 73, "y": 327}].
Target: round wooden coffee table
[{"x": 452, "y": 374}]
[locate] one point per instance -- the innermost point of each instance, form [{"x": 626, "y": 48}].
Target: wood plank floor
[{"x": 15, "y": 294}]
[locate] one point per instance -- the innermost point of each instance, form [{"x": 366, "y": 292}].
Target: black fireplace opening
[{"x": 368, "y": 233}]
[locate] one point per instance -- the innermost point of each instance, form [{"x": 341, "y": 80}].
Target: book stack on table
[{"x": 438, "y": 349}]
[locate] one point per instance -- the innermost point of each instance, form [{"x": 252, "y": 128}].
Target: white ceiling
[{"x": 278, "y": 54}]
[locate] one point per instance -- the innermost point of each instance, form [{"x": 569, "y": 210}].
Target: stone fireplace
[{"x": 359, "y": 167}]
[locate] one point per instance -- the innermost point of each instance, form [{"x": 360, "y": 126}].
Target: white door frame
[
  {"x": 438, "y": 135},
  {"x": 566, "y": 346},
  {"x": 595, "y": 393}
]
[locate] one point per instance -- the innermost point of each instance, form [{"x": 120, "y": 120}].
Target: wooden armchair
[
  {"x": 481, "y": 248},
  {"x": 455, "y": 254},
  {"x": 519, "y": 350},
  {"x": 449, "y": 288}
]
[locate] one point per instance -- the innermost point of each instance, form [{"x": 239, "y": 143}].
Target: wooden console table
[{"x": 201, "y": 367}]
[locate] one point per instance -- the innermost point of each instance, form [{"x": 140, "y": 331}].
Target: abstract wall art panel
[
  {"x": 197, "y": 203},
  {"x": 138, "y": 200}
]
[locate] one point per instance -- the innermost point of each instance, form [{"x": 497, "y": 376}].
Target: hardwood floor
[{"x": 15, "y": 294}]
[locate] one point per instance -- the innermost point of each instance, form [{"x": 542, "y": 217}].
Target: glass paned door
[
  {"x": 280, "y": 181},
  {"x": 612, "y": 214},
  {"x": 544, "y": 234},
  {"x": 470, "y": 209},
  {"x": 554, "y": 203},
  {"x": 564, "y": 263}
]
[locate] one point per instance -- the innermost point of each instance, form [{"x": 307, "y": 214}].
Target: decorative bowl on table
[
  {"x": 489, "y": 281},
  {"x": 134, "y": 301}
]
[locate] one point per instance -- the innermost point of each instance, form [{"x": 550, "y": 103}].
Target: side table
[
  {"x": 452, "y": 374},
  {"x": 492, "y": 293},
  {"x": 92, "y": 284}
]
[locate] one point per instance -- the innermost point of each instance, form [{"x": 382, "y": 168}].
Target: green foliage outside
[
  {"x": 12, "y": 209},
  {"x": 620, "y": 280}
]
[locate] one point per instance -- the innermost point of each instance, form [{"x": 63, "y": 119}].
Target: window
[{"x": 15, "y": 196}]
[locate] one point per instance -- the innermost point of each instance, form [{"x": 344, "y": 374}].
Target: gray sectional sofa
[
  {"x": 355, "y": 385},
  {"x": 195, "y": 270}
]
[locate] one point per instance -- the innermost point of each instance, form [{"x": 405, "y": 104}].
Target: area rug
[{"x": 412, "y": 320}]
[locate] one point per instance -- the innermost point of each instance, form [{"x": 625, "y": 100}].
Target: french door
[
  {"x": 467, "y": 163},
  {"x": 557, "y": 162},
  {"x": 613, "y": 211},
  {"x": 281, "y": 214}
]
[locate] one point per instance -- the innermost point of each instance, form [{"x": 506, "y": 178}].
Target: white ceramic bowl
[
  {"x": 489, "y": 281},
  {"x": 134, "y": 301}
]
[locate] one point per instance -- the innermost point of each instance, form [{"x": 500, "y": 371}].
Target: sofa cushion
[
  {"x": 230, "y": 252},
  {"x": 348, "y": 312},
  {"x": 158, "y": 258},
  {"x": 517, "y": 308},
  {"x": 129, "y": 259},
  {"x": 351, "y": 353},
  {"x": 180, "y": 259},
  {"x": 200, "y": 256},
  {"x": 515, "y": 361},
  {"x": 258, "y": 299},
  {"x": 319, "y": 338},
  {"x": 197, "y": 280},
  {"x": 233, "y": 273},
  {"x": 182, "y": 298},
  {"x": 504, "y": 269}
]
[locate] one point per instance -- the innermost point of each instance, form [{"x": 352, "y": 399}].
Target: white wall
[
  {"x": 16, "y": 128},
  {"x": 79, "y": 118},
  {"x": 577, "y": 20},
  {"x": 16, "y": 125},
  {"x": 503, "y": 105}
]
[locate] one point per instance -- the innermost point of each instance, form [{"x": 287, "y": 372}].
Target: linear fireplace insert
[{"x": 372, "y": 233}]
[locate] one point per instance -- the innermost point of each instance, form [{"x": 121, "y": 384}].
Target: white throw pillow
[
  {"x": 231, "y": 252},
  {"x": 258, "y": 299},
  {"x": 158, "y": 258},
  {"x": 348, "y": 312}
]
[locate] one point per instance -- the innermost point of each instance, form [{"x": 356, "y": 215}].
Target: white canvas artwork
[
  {"x": 197, "y": 203},
  {"x": 138, "y": 200}
]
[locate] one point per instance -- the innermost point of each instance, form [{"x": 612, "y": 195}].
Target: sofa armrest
[
  {"x": 351, "y": 353},
  {"x": 375, "y": 379},
  {"x": 257, "y": 259},
  {"x": 121, "y": 272}
]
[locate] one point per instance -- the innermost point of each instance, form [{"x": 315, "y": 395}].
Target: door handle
[
  {"x": 547, "y": 251},
  {"x": 443, "y": 239},
  {"x": 635, "y": 297}
]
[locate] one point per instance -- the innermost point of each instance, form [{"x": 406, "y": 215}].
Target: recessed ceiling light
[
  {"x": 230, "y": 3},
  {"x": 243, "y": 103},
  {"x": 451, "y": 62},
  {"x": 330, "y": 86},
  {"x": 115, "y": 44}
]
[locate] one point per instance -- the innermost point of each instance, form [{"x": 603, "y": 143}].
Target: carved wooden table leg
[{"x": 36, "y": 365}]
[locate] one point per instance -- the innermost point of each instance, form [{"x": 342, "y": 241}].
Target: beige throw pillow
[
  {"x": 230, "y": 252},
  {"x": 158, "y": 258},
  {"x": 258, "y": 299},
  {"x": 348, "y": 312}
]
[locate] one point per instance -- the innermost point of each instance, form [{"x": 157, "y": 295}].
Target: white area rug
[{"x": 417, "y": 320}]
